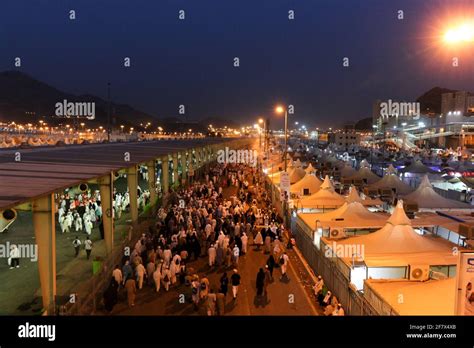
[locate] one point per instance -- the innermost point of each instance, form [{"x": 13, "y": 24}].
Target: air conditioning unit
[
  {"x": 337, "y": 234},
  {"x": 419, "y": 272}
]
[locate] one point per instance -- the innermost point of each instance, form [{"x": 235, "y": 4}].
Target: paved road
[{"x": 284, "y": 298}]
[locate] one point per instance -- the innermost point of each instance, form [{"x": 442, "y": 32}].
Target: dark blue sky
[{"x": 190, "y": 62}]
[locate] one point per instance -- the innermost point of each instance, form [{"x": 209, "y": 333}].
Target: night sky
[{"x": 190, "y": 61}]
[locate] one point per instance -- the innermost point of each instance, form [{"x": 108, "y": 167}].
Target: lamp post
[{"x": 279, "y": 110}]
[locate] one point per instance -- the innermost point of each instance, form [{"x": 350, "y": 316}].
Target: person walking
[
  {"x": 235, "y": 281},
  {"x": 258, "y": 241},
  {"x": 271, "y": 265},
  {"x": 166, "y": 277},
  {"x": 117, "y": 274},
  {"x": 224, "y": 284},
  {"x": 235, "y": 256},
  {"x": 131, "y": 287},
  {"x": 140, "y": 273},
  {"x": 127, "y": 271},
  {"x": 260, "y": 282},
  {"x": 212, "y": 255},
  {"x": 211, "y": 303},
  {"x": 14, "y": 257},
  {"x": 76, "y": 243},
  {"x": 244, "y": 240},
  {"x": 88, "y": 247},
  {"x": 284, "y": 259},
  {"x": 268, "y": 280},
  {"x": 157, "y": 277}
]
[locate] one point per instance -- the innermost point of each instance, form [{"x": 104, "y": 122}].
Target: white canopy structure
[
  {"x": 365, "y": 174},
  {"x": 309, "y": 185},
  {"x": 433, "y": 297},
  {"x": 426, "y": 197},
  {"x": 326, "y": 197},
  {"x": 350, "y": 215},
  {"x": 296, "y": 174},
  {"x": 364, "y": 164},
  {"x": 347, "y": 171},
  {"x": 393, "y": 182},
  {"x": 297, "y": 163},
  {"x": 310, "y": 169},
  {"x": 354, "y": 196},
  {"x": 397, "y": 244},
  {"x": 417, "y": 167},
  {"x": 391, "y": 170}
]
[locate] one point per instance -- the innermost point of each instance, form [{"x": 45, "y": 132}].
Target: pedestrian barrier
[{"x": 353, "y": 301}]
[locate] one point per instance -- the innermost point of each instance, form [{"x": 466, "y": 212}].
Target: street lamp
[{"x": 279, "y": 110}]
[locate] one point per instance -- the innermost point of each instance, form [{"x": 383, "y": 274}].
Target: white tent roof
[
  {"x": 391, "y": 170},
  {"x": 367, "y": 174},
  {"x": 364, "y": 163},
  {"x": 426, "y": 197},
  {"x": 310, "y": 182},
  {"x": 297, "y": 163},
  {"x": 347, "y": 171},
  {"x": 325, "y": 197},
  {"x": 310, "y": 169},
  {"x": 354, "y": 196},
  {"x": 418, "y": 168},
  {"x": 397, "y": 244},
  {"x": 296, "y": 174},
  {"x": 349, "y": 215},
  {"x": 392, "y": 181},
  {"x": 433, "y": 297}
]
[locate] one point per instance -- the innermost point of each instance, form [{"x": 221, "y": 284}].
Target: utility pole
[{"x": 108, "y": 112}]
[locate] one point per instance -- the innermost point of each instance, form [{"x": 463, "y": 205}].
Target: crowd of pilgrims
[
  {"x": 81, "y": 211},
  {"x": 199, "y": 221}
]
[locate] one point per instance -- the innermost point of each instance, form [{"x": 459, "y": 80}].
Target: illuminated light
[
  {"x": 279, "y": 109},
  {"x": 462, "y": 33}
]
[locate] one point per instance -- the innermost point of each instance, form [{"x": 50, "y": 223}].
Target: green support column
[
  {"x": 184, "y": 167},
  {"x": 45, "y": 236},
  {"x": 165, "y": 174},
  {"x": 152, "y": 180},
  {"x": 132, "y": 180},
  {"x": 175, "y": 168},
  {"x": 106, "y": 188}
]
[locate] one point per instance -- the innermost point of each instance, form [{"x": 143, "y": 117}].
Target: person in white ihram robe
[{"x": 77, "y": 223}]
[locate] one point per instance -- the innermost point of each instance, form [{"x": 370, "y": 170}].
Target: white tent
[
  {"x": 364, "y": 164},
  {"x": 391, "y": 170},
  {"x": 397, "y": 244},
  {"x": 354, "y": 196},
  {"x": 417, "y": 167},
  {"x": 296, "y": 174},
  {"x": 366, "y": 175},
  {"x": 326, "y": 197},
  {"x": 349, "y": 215},
  {"x": 393, "y": 182},
  {"x": 310, "y": 169},
  {"x": 347, "y": 171},
  {"x": 426, "y": 197},
  {"x": 310, "y": 184},
  {"x": 297, "y": 163},
  {"x": 433, "y": 297}
]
